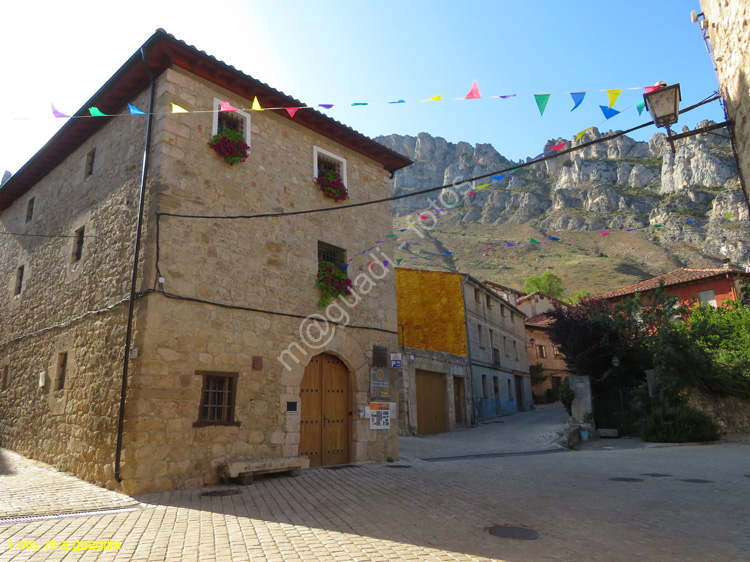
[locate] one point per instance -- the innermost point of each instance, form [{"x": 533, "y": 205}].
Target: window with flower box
[
  {"x": 233, "y": 120},
  {"x": 324, "y": 161}
]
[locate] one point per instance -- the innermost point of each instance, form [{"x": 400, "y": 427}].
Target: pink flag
[
  {"x": 474, "y": 92},
  {"x": 650, "y": 89},
  {"x": 558, "y": 146},
  {"x": 604, "y": 232},
  {"x": 291, "y": 111},
  {"x": 423, "y": 217},
  {"x": 226, "y": 106}
]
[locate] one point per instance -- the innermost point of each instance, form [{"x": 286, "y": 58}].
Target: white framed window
[
  {"x": 707, "y": 297},
  {"x": 236, "y": 120},
  {"x": 324, "y": 161}
]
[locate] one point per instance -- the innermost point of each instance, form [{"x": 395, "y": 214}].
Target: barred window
[
  {"x": 331, "y": 254},
  {"x": 218, "y": 396},
  {"x": 230, "y": 121}
]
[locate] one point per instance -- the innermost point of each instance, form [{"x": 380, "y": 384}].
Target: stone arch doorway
[{"x": 325, "y": 406}]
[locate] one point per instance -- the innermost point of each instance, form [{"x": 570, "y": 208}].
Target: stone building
[
  {"x": 464, "y": 358},
  {"x": 224, "y": 370},
  {"x": 540, "y": 348}
]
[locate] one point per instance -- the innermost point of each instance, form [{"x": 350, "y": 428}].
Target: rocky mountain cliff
[{"x": 693, "y": 195}]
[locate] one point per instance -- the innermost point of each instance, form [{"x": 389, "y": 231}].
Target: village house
[
  {"x": 464, "y": 357},
  {"x": 711, "y": 286},
  {"x": 224, "y": 375},
  {"x": 540, "y": 348}
]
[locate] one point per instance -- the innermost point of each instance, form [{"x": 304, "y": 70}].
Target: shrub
[
  {"x": 566, "y": 395},
  {"x": 680, "y": 424}
]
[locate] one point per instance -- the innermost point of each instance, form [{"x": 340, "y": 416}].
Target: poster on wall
[
  {"x": 380, "y": 415},
  {"x": 379, "y": 383}
]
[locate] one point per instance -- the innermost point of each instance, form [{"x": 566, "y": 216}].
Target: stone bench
[{"x": 245, "y": 469}]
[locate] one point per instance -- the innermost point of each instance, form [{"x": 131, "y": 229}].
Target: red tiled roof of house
[
  {"x": 540, "y": 321},
  {"x": 676, "y": 277}
]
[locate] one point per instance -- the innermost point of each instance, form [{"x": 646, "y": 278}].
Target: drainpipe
[
  {"x": 468, "y": 348},
  {"x": 134, "y": 278}
]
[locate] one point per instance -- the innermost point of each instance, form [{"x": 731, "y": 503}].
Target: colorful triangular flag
[
  {"x": 532, "y": 241},
  {"x": 435, "y": 98},
  {"x": 577, "y": 98},
  {"x": 509, "y": 244},
  {"x": 554, "y": 238},
  {"x": 226, "y": 106},
  {"x": 291, "y": 111},
  {"x": 477, "y": 188},
  {"x": 398, "y": 261},
  {"x": 256, "y": 105},
  {"x": 509, "y": 96},
  {"x": 579, "y": 135},
  {"x": 57, "y": 113},
  {"x": 641, "y": 106},
  {"x": 134, "y": 110},
  {"x": 359, "y": 103},
  {"x": 558, "y": 146},
  {"x": 325, "y": 105},
  {"x": 541, "y": 102},
  {"x": 177, "y": 109},
  {"x": 447, "y": 252},
  {"x": 399, "y": 101},
  {"x": 612, "y": 95},
  {"x": 498, "y": 178},
  {"x": 474, "y": 92},
  {"x": 608, "y": 113},
  {"x": 650, "y": 89},
  {"x": 604, "y": 232},
  {"x": 94, "y": 111}
]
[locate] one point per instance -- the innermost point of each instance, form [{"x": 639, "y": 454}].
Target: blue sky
[{"x": 342, "y": 52}]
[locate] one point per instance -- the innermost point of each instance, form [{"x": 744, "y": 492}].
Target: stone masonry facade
[{"x": 233, "y": 300}]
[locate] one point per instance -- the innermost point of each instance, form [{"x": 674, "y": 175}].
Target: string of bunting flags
[
  {"x": 504, "y": 244},
  {"x": 541, "y": 101}
]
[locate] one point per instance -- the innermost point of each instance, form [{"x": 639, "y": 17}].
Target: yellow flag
[
  {"x": 579, "y": 135},
  {"x": 613, "y": 95},
  {"x": 435, "y": 98},
  {"x": 256, "y": 105},
  {"x": 477, "y": 188},
  {"x": 177, "y": 109}
]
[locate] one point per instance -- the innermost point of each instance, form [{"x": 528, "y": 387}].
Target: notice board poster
[
  {"x": 380, "y": 415},
  {"x": 379, "y": 384}
]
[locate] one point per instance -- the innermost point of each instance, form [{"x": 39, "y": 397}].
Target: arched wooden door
[{"x": 324, "y": 410}]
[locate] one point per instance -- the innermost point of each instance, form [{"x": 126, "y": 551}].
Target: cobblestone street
[{"x": 685, "y": 503}]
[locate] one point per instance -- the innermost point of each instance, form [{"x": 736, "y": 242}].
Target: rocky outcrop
[{"x": 693, "y": 193}]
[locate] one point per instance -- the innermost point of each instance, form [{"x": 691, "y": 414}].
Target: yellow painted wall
[{"x": 431, "y": 311}]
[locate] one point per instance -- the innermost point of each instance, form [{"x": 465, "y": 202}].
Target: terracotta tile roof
[
  {"x": 540, "y": 321},
  {"x": 676, "y": 277},
  {"x": 545, "y": 295}
]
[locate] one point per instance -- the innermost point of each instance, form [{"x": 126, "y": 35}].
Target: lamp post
[{"x": 663, "y": 103}]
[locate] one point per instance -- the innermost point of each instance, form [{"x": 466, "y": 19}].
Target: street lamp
[{"x": 663, "y": 103}]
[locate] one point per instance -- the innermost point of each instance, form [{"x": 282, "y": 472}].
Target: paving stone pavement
[{"x": 436, "y": 511}]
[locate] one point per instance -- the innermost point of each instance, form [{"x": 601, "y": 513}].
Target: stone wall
[
  {"x": 251, "y": 284},
  {"x": 732, "y": 414},
  {"x": 729, "y": 34},
  {"x": 70, "y": 306}
]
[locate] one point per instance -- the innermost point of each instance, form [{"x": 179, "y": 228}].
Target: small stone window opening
[
  {"x": 90, "y": 157},
  {"x": 485, "y": 389},
  {"x": 30, "y": 210},
  {"x": 78, "y": 244},
  {"x": 231, "y": 122},
  {"x": 19, "y": 280},
  {"x": 496, "y": 384},
  {"x": 489, "y": 301},
  {"x": 510, "y": 391},
  {"x": 515, "y": 349},
  {"x": 505, "y": 345},
  {"x": 541, "y": 351},
  {"x": 556, "y": 351},
  {"x": 218, "y": 396},
  {"x": 481, "y": 339},
  {"x": 331, "y": 254},
  {"x": 477, "y": 296},
  {"x": 62, "y": 370}
]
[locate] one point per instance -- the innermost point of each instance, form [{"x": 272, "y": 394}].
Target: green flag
[{"x": 541, "y": 102}]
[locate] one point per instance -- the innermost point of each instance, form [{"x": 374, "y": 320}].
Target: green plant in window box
[
  {"x": 230, "y": 146},
  {"x": 332, "y": 185},
  {"x": 332, "y": 282}
]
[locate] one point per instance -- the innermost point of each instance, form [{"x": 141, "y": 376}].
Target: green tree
[{"x": 547, "y": 282}]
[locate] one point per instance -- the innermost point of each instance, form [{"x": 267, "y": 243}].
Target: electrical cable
[{"x": 709, "y": 99}]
